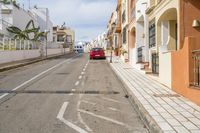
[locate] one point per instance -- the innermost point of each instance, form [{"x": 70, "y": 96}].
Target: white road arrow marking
[{"x": 71, "y": 125}]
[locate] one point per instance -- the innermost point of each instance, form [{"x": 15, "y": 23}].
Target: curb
[
  {"x": 149, "y": 122},
  {"x": 35, "y": 60}
]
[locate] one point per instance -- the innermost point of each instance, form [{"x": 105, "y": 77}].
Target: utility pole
[{"x": 46, "y": 28}]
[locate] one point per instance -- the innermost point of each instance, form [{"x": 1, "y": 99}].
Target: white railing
[
  {"x": 15, "y": 44},
  {"x": 7, "y": 44}
]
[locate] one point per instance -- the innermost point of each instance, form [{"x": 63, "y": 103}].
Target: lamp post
[
  {"x": 111, "y": 52},
  {"x": 65, "y": 42}
]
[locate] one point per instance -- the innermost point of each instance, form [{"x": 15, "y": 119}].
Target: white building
[
  {"x": 140, "y": 53},
  {"x": 99, "y": 41},
  {"x": 43, "y": 19},
  {"x": 79, "y": 47},
  {"x": 12, "y": 15}
]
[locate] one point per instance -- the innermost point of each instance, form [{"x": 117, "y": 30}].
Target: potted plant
[
  {"x": 116, "y": 51},
  {"x": 125, "y": 54}
]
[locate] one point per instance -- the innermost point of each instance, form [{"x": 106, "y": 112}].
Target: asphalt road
[{"x": 65, "y": 95}]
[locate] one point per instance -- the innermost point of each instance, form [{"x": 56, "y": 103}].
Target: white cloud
[{"x": 88, "y": 17}]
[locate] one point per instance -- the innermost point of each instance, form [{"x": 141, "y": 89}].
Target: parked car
[{"x": 97, "y": 53}]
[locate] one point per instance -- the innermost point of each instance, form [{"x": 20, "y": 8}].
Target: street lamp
[
  {"x": 111, "y": 52},
  {"x": 65, "y": 42},
  {"x": 46, "y": 37}
]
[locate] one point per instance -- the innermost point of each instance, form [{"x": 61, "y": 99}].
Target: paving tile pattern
[{"x": 172, "y": 112}]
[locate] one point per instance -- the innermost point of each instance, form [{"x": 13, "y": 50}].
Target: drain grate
[
  {"x": 57, "y": 92},
  {"x": 166, "y": 95}
]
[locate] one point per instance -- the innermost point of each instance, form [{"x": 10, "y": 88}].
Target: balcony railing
[{"x": 196, "y": 72}]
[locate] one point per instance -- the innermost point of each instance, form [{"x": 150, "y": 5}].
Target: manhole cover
[{"x": 166, "y": 95}]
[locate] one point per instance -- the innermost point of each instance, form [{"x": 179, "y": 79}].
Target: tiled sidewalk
[{"x": 169, "y": 111}]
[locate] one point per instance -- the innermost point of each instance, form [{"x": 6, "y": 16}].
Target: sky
[{"x": 88, "y": 18}]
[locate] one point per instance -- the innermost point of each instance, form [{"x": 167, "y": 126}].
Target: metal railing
[
  {"x": 196, "y": 68},
  {"x": 140, "y": 54},
  {"x": 155, "y": 63}
]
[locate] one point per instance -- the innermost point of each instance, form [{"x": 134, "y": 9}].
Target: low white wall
[
  {"x": 9, "y": 56},
  {"x": 165, "y": 68}
]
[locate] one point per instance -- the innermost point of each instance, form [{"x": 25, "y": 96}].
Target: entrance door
[{"x": 155, "y": 63}]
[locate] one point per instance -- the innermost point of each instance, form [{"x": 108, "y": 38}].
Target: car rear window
[{"x": 97, "y": 49}]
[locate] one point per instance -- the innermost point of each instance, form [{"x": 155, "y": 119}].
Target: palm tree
[
  {"x": 18, "y": 33},
  {"x": 23, "y": 34},
  {"x": 9, "y": 1}
]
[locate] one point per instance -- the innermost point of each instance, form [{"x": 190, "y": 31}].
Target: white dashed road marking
[
  {"x": 77, "y": 83},
  {"x": 82, "y": 73},
  {"x": 72, "y": 92}
]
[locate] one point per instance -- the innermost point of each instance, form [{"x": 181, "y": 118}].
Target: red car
[{"x": 97, "y": 53}]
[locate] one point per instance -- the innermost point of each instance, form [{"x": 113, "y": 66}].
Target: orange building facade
[{"x": 186, "y": 60}]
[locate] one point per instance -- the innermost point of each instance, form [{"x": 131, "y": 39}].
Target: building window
[
  {"x": 123, "y": 16},
  {"x": 54, "y": 39},
  {"x": 60, "y": 38},
  {"x": 152, "y": 36},
  {"x": 116, "y": 44},
  {"x": 124, "y": 35}
]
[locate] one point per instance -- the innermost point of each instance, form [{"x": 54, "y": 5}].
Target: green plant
[{"x": 25, "y": 34}]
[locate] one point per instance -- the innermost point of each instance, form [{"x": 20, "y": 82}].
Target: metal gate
[
  {"x": 155, "y": 63},
  {"x": 140, "y": 57},
  {"x": 196, "y": 58}
]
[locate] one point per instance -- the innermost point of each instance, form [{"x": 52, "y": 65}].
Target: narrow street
[{"x": 68, "y": 94}]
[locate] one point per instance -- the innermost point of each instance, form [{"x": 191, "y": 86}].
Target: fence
[
  {"x": 196, "y": 72},
  {"x": 15, "y": 44}
]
